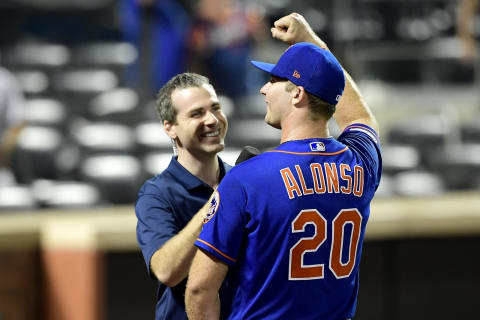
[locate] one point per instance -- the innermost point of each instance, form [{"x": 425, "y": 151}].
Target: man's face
[
  {"x": 277, "y": 99},
  {"x": 201, "y": 125}
]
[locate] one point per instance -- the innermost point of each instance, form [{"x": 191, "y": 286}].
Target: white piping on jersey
[{"x": 371, "y": 135}]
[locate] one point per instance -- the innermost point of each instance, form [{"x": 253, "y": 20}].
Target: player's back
[{"x": 307, "y": 205}]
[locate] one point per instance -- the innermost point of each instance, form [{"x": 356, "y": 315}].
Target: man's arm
[
  {"x": 170, "y": 263},
  {"x": 204, "y": 280},
  {"x": 351, "y": 108}
]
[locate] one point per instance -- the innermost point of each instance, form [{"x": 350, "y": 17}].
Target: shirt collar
[
  {"x": 189, "y": 180},
  {"x": 317, "y": 145}
]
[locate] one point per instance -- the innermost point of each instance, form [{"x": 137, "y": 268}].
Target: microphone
[{"x": 247, "y": 153}]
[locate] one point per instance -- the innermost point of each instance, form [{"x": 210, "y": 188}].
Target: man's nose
[
  {"x": 211, "y": 119},
  {"x": 263, "y": 90}
]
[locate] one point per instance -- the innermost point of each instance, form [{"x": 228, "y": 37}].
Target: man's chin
[
  {"x": 272, "y": 123},
  {"x": 212, "y": 149}
]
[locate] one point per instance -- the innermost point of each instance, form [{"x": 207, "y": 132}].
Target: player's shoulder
[
  {"x": 253, "y": 162},
  {"x": 250, "y": 169},
  {"x": 360, "y": 130}
]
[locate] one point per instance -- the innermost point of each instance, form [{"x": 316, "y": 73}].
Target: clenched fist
[{"x": 293, "y": 29}]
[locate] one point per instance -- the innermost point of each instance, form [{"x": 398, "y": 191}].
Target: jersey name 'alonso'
[{"x": 290, "y": 224}]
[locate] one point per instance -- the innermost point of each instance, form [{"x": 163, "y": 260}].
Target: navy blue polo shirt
[{"x": 165, "y": 204}]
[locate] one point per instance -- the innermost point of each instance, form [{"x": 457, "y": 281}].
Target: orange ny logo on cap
[{"x": 296, "y": 74}]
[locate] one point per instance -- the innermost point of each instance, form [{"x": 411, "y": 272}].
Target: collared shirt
[{"x": 165, "y": 204}]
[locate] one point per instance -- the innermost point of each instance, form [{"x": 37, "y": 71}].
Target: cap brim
[{"x": 264, "y": 66}]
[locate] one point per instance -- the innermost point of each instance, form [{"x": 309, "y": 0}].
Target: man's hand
[{"x": 293, "y": 29}]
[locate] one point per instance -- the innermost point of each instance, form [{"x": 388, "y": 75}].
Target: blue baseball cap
[{"x": 309, "y": 66}]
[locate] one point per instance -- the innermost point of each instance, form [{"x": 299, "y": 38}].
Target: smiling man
[{"x": 167, "y": 224}]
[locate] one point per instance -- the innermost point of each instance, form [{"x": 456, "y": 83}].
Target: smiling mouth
[{"x": 211, "y": 134}]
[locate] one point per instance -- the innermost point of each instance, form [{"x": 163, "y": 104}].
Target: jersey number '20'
[{"x": 299, "y": 271}]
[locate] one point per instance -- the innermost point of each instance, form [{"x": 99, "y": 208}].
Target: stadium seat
[
  {"x": 102, "y": 137},
  {"x": 65, "y": 194},
  {"x": 398, "y": 158},
  {"x": 423, "y": 133},
  {"x": 86, "y": 81},
  {"x": 36, "y": 154},
  {"x": 386, "y": 187},
  {"x": 105, "y": 54},
  {"x": 40, "y": 55},
  {"x": 417, "y": 183},
  {"x": 117, "y": 105},
  {"x": 458, "y": 165},
  {"x": 114, "y": 56},
  {"x": 118, "y": 177},
  {"x": 45, "y": 112},
  {"x": 16, "y": 197},
  {"x": 470, "y": 131},
  {"x": 33, "y": 82},
  {"x": 155, "y": 162},
  {"x": 77, "y": 88},
  {"x": 150, "y": 137}
]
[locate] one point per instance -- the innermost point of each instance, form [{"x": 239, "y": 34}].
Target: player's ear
[
  {"x": 170, "y": 129},
  {"x": 299, "y": 96}
]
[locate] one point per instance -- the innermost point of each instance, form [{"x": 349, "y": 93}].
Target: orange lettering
[
  {"x": 358, "y": 181},
  {"x": 290, "y": 183},
  {"x": 318, "y": 178},
  {"x": 332, "y": 177},
  {"x": 305, "y": 190},
  {"x": 346, "y": 177}
]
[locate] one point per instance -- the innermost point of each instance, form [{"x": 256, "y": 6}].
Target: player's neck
[
  {"x": 304, "y": 129},
  {"x": 205, "y": 166}
]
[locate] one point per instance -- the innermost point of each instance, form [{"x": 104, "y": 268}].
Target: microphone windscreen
[{"x": 247, "y": 153}]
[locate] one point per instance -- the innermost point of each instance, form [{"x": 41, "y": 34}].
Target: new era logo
[{"x": 296, "y": 74}]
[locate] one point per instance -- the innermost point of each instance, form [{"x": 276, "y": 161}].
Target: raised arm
[{"x": 351, "y": 108}]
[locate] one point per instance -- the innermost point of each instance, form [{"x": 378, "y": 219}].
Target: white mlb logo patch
[{"x": 317, "y": 146}]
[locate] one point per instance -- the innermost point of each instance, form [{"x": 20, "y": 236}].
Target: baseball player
[{"x": 289, "y": 223}]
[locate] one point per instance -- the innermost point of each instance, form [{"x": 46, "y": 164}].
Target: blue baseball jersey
[{"x": 290, "y": 224}]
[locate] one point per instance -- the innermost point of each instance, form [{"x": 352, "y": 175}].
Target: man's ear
[
  {"x": 170, "y": 129},
  {"x": 299, "y": 96}
]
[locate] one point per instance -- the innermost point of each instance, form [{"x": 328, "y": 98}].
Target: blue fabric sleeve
[
  {"x": 364, "y": 141},
  {"x": 222, "y": 235},
  {"x": 155, "y": 225}
]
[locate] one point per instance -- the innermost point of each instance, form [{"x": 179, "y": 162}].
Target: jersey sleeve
[
  {"x": 364, "y": 141},
  {"x": 223, "y": 230},
  {"x": 155, "y": 225}
]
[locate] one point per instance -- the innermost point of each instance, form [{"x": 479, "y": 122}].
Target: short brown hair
[
  {"x": 164, "y": 105},
  {"x": 318, "y": 107}
]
